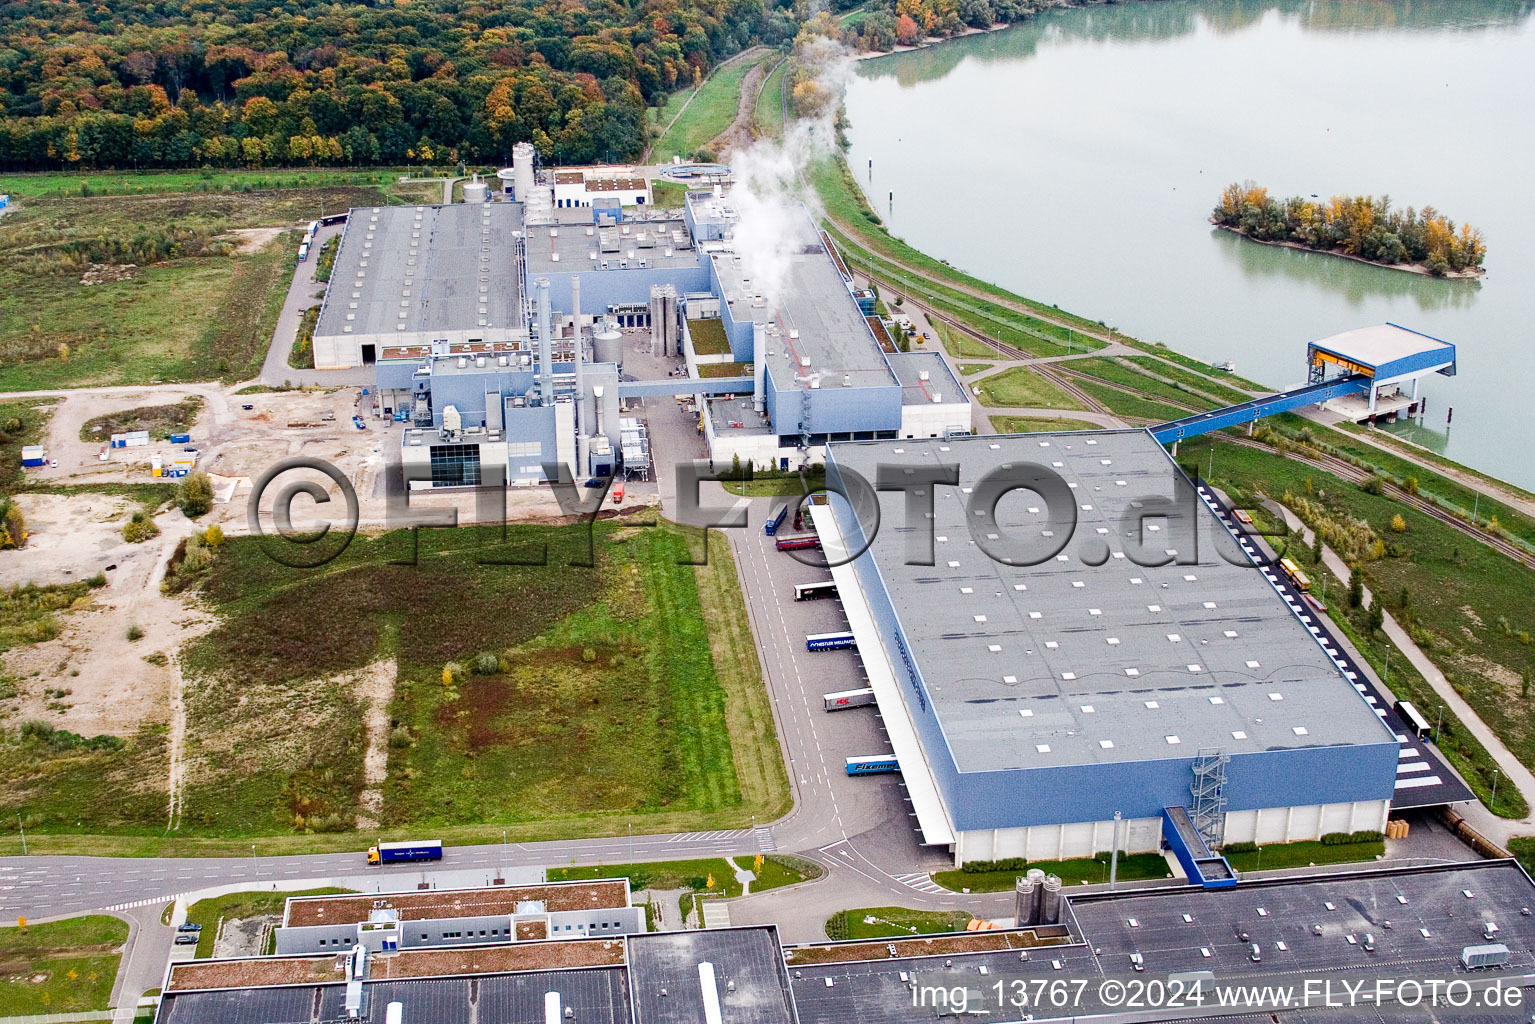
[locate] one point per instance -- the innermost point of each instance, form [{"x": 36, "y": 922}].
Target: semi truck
[
  {"x": 400, "y": 853},
  {"x": 772, "y": 525},
  {"x": 849, "y": 699},
  {"x": 878, "y": 764},
  {"x": 829, "y": 641}
]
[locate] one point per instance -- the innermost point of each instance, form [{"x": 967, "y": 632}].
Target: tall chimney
[
  {"x": 759, "y": 364},
  {"x": 597, "y": 401},
  {"x": 582, "y": 429},
  {"x": 545, "y": 347}
]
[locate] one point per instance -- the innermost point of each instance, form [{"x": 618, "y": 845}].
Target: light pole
[
  {"x": 1438, "y": 721},
  {"x": 23, "y": 826},
  {"x": 1491, "y": 803}
]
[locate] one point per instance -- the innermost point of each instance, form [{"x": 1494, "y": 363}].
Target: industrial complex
[
  {"x": 498, "y": 328},
  {"x": 1468, "y": 925}
]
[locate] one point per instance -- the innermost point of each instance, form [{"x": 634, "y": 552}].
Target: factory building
[
  {"x": 437, "y": 918},
  {"x": 497, "y": 331},
  {"x": 1125, "y": 668},
  {"x": 579, "y": 186},
  {"x": 415, "y": 275}
]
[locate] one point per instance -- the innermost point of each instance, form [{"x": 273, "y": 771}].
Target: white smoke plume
[{"x": 769, "y": 191}]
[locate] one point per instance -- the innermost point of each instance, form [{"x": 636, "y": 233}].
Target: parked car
[
  {"x": 188, "y": 939},
  {"x": 189, "y": 926}
]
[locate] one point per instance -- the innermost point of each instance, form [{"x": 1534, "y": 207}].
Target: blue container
[{"x": 181, "y": 438}]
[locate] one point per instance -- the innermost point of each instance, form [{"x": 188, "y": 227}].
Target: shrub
[
  {"x": 98, "y": 580},
  {"x": 1398, "y": 524},
  {"x": 1240, "y": 848},
  {"x": 1346, "y": 838},
  {"x": 486, "y": 664},
  {"x": 194, "y": 496},
  {"x": 139, "y": 528},
  {"x": 135, "y": 632},
  {"x": 588, "y": 654},
  {"x": 399, "y": 737}
]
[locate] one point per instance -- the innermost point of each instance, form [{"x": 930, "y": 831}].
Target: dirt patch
[
  {"x": 1470, "y": 613},
  {"x": 92, "y": 679},
  {"x": 1505, "y": 677},
  {"x": 106, "y": 273},
  {"x": 245, "y": 936},
  {"x": 374, "y": 688},
  {"x": 254, "y": 239}
]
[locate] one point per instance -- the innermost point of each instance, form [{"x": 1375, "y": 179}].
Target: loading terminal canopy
[{"x": 1385, "y": 352}]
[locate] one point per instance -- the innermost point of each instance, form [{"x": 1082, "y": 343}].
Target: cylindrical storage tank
[
  {"x": 476, "y": 192},
  {"x": 522, "y": 169},
  {"x": 1026, "y": 898},
  {"x": 1050, "y": 901},
  {"x": 607, "y": 345}
]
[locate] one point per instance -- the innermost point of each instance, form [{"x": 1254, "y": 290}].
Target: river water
[{"x": 1075, "y": 159}]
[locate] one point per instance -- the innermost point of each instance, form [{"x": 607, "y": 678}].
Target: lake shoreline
[{"x": 1406, "y": 268}]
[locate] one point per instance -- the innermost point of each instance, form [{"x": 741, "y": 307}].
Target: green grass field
[
  {"x": 779, "y": 870},
  {"x": 667, "y": 195},
  {"x": 712, "y": 109},
  {"x": 1131, "y": 407},
  {"x": 60, "y": 967},
  {"x": 1112, "y": 371},
  {"x": 1071, "y": 872},
  {"x": 770, "y": 111},
  {"x": 1022, "y": 388},
  {"x": 236, "y": 905},
  {"x": 673, "y": 874},
  {"x": 1036, "y": 424},
  {"x": 966, "y": 369},
  {"x": 892, "y": 922},
  {"x": 624, "y": 693},
  {"x": 184, "y": 302},
  {"x": 58, "y": 185},
  {"x": 1296, "y": 855},
  {"x": 1469, "y": 607}
]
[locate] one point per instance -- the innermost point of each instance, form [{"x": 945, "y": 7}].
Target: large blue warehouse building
[{"x": 1028, "y": 704}]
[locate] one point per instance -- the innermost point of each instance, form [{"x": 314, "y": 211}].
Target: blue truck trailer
[{"x": 400, "y": 853}]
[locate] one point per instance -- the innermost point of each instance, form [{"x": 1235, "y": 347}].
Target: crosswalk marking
[
  {"x": 144, "y": 903},
  {"x": 921, "y": 882}
]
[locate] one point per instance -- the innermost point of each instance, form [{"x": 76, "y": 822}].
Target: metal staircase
[{"x": 1209, "y": 792}]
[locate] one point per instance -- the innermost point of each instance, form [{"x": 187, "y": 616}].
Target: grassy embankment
[
  {"x": 301, "y": 355},
  {"x": 1022, "y": 388},
  {"x": 892, "y": 922},
  {"x": 627, "y": 693},
  {"x": 713, "y": 107},
  {"x": 211, "y": 912},
  {"x": 984, "y": 877},
  {"x": 1466, "y": 605},
  {"x": 769, "y": 112},
  {"x": 1035, "y": 424},
  {"x": 60, "y": 967}
]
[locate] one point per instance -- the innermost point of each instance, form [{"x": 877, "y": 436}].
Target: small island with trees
[{"x": 1363, "y": 228}]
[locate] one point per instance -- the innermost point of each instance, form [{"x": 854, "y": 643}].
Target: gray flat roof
[
  {"x": 1381, "y": 344},
  {"x": 1065, "y": 663},
  {"x": 1362, "y": 902},
  {"x": 725, "y": 413},
  {"x": 909, "y": 368},
  {"x": 428, "y": 263},
  {"x": 814, "y": 300},
  {"x": 748, "y": 969},
  {"x": 568, "y": 248},
  {"x": 596, "y": 995}
]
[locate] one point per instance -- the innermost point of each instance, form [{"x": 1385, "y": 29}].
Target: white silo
[
  {"x": 476, "y": 191},
  {"x": 607, "y": 343},
  {"x": 522, "y": 170}
]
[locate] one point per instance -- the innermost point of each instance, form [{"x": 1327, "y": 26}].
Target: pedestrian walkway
[
  {"x": 123, "y": 1014},
  {"x": 920, "y": 881}
]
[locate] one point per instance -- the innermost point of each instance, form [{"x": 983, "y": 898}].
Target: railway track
[{"x": 1353, "y": 474}]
